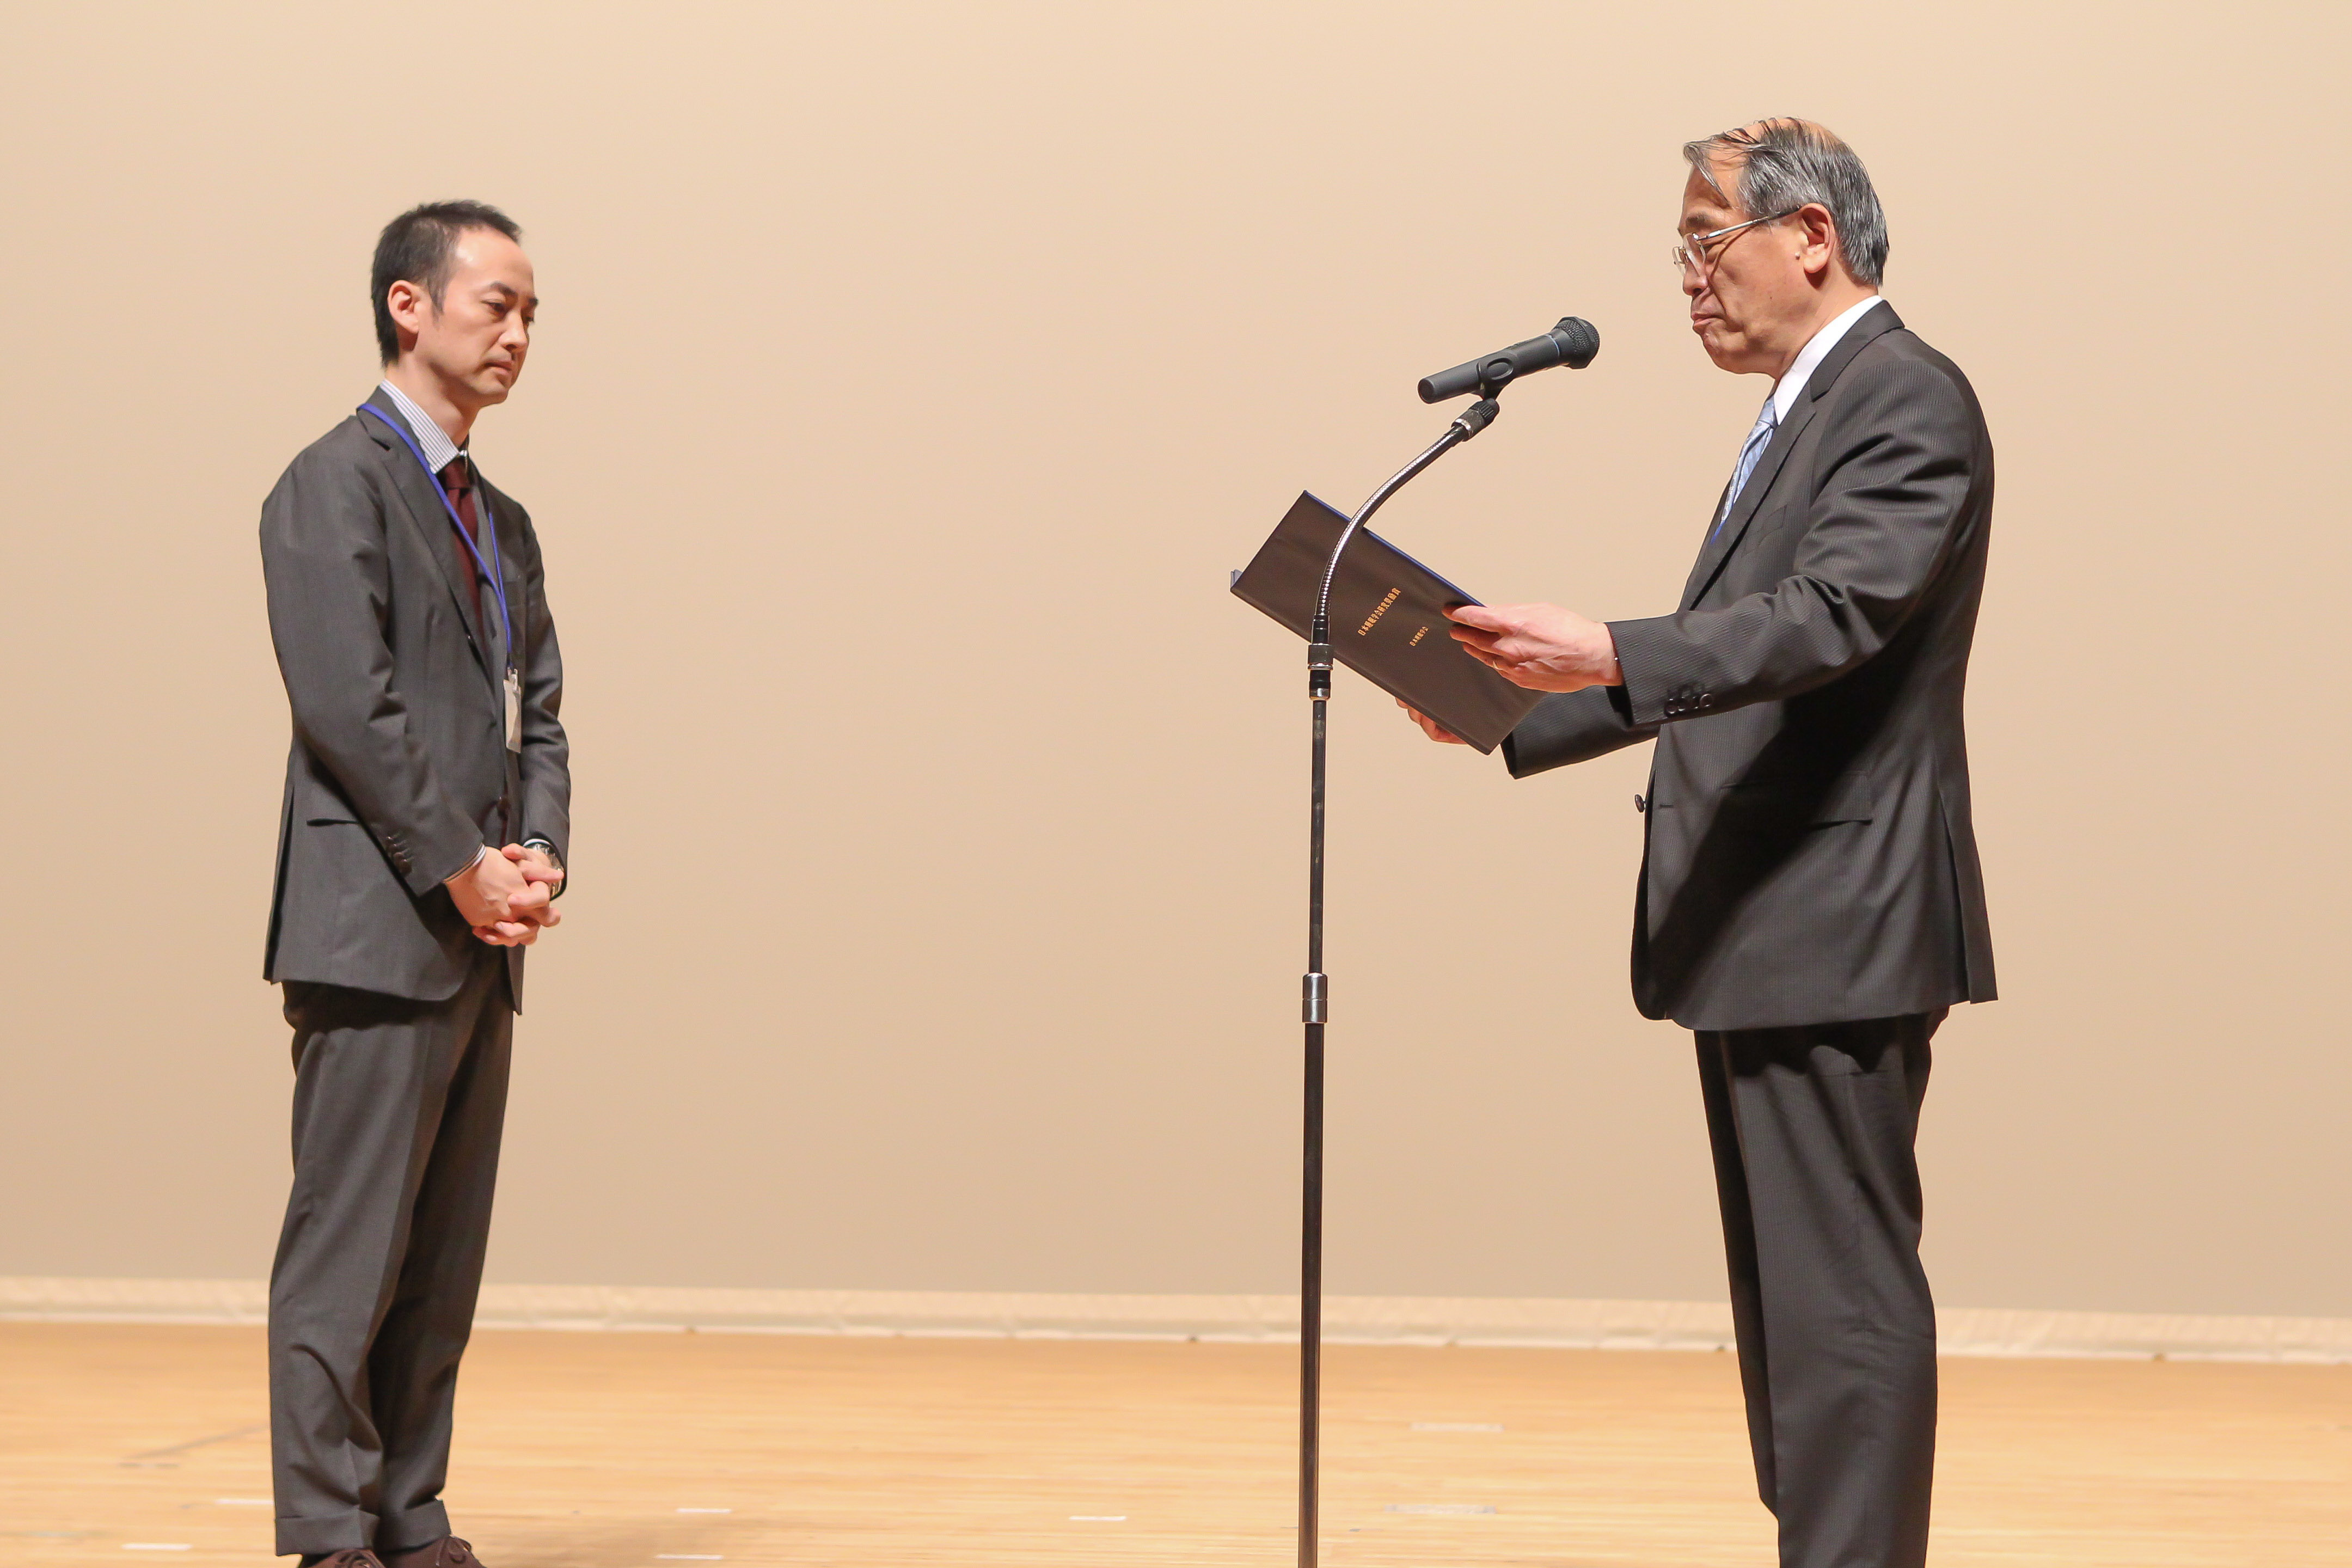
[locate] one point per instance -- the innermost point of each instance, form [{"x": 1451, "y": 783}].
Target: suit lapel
[
  {"x": 420, "y": 496},
  {"x": 1706, "y": 549},
  {"x": 1723, "y": 541}
]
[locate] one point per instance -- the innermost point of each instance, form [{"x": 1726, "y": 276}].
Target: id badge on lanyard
[{"x": 494, "y": 569}]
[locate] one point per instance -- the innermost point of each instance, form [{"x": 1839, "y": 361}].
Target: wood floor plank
[{"x": 620, "y": 1451}]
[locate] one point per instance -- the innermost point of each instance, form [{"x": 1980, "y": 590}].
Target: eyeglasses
[{"x": 1691, "y": 253}]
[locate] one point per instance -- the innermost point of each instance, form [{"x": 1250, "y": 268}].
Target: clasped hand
[
  {"x": 506, "y": 895},
  {"x": 1541, "y": 646}
]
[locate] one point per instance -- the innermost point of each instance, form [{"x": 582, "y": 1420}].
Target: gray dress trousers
[
  {"x": 1812, "y": 1129},
  {"x": 397, "y": 1109}
]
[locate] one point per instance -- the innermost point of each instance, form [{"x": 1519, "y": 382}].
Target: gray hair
[{"x": 1785, "y": 163}]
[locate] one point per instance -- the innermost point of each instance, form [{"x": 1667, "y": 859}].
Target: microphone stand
[{"x": 1316, "y": 986}]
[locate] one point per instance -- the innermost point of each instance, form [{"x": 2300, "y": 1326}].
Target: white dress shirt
[{"x": 1784, "y": 395}]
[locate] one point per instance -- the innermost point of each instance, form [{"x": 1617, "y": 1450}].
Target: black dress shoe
[{"x": 349, "y": 1557}]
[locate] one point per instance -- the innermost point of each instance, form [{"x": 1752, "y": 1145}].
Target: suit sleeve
[
  {"x": 1572, "y": 727},
  {"x": 1897, "y": 467},
  {"x": 546, "y": 763},
  {"x": 327, "y": 581}
]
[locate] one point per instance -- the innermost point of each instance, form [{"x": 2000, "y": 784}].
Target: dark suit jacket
[
  {"x": 1808, "y": 856},
  {"x": 400, "y": 770}
]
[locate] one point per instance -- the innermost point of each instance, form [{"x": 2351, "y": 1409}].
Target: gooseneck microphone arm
[
  {"x": 1573, "y": 343},
  {"x": 1468, "y": 422}
]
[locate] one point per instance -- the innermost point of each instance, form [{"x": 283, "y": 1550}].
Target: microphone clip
[{"x": 1481, "y": 413}]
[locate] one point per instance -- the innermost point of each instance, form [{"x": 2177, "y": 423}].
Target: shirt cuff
[{"x": 469, "y": 865}]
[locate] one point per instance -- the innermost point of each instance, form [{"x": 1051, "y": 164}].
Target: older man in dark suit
[
  {"x": 1810, "y": 901},
  {"x": 427, "y": 812}
]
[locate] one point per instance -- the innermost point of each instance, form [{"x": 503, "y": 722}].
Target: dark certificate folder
[{"x": 1388, "y": 621}]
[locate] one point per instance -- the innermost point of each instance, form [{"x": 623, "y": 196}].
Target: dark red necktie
[{"x": 459, "y": 480}]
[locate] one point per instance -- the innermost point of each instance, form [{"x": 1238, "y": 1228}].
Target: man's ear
[
  {"x": 1821, "y": 246},
  {"x": 408, "y": 305}
]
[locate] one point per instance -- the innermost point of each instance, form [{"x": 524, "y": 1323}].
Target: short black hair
[{"x": 416, "y": 247}]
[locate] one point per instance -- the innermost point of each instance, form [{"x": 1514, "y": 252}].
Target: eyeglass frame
[{"x": 1691, "y": 255}]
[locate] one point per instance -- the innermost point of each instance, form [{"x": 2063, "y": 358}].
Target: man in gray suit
[
  {"x": 427, "y": 815},
  {"x": 1809, "y": 901}
]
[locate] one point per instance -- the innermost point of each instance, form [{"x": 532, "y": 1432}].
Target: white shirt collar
[
  {"x": 1808, "y": 358},
  {"x": 437, "y": 447}
]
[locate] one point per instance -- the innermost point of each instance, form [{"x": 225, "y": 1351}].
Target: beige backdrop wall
[{"x": 909, "y": 379}]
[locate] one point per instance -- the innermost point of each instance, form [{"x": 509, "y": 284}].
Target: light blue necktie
[{"x": 1749, "y": 455}]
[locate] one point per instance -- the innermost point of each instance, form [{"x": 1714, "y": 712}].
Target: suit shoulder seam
[{"x": 1916, "y": 352}]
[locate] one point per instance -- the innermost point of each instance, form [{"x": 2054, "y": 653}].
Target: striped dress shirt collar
[{"x": 439, "y": 450}]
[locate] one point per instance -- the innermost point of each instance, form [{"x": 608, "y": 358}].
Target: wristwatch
[{"x": 548, "y": 850}]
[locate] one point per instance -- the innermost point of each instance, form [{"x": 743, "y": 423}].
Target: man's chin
[{"x": 1714, "y": 341}]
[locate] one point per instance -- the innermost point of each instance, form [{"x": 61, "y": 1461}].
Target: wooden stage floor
[{"x": 121, "y": 1444}]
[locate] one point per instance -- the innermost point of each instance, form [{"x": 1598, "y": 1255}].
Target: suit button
[{"x": 1640, "y": 804}]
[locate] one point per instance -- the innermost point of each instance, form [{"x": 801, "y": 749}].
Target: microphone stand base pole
[
  {"x": 1315, "y": 1008},
  {"x": 1315, "y": 995}
]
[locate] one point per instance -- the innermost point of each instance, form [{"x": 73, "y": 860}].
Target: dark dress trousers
[
  {"x": 399, "y": 773},
  {"x": 1811, "y": 902}
]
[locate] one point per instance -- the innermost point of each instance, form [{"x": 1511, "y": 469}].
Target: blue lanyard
[{"x": 488, "y": 568}]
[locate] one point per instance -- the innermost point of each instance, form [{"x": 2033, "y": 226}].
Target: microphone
[{"x": 1573, "y": 343}]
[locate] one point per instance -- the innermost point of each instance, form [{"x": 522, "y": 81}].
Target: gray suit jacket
[
  {"x": 399, "y": 771},
  {"x": 1808, "y": 856}
]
